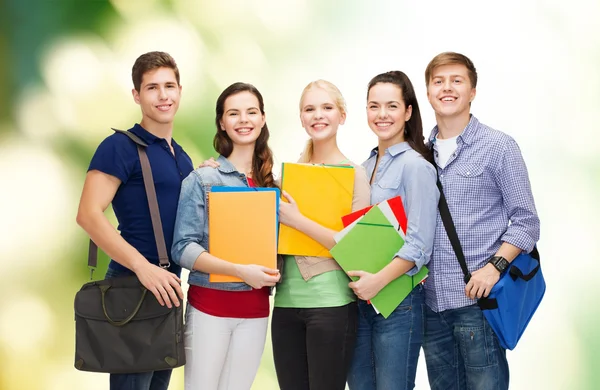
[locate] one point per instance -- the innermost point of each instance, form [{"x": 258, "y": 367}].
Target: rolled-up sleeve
[
  {"x": 189, "y": 224},
  {"x": 420, "y": 203},
  {"x": 513, "y": 180}
]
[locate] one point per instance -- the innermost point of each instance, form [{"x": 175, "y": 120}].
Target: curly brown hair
[{"x": 262, "y": 160}]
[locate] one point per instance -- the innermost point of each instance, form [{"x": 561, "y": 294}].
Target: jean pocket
[{"x": 477, "y": 346}]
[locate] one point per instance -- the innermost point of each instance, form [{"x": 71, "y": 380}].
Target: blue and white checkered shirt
[{"x": 489, "y": 196}]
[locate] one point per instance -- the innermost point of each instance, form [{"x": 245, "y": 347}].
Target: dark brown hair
[
  {"x": 413, "y": 128},
  {"x": 262, "y": 160},
  {"x": 451, "y": 58},
  {"x": 150, "y": 61}
]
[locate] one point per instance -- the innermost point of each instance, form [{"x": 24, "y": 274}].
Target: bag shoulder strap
[
  {"x": 451, "y": 230},
  {"x": 161, "y": 246}
]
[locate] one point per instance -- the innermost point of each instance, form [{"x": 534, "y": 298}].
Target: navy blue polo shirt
[{"x": 117, "y": 156}]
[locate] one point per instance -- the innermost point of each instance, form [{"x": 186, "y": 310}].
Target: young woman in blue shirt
[{"x": 387, "y": 350}]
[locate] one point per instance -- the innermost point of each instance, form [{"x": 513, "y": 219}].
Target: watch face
[
  {"x": 500, "y": 263},
  {"x": 503, "y": 263}
]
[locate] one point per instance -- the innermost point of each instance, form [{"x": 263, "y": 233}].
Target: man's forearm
[{"x": 508, "y": 251}]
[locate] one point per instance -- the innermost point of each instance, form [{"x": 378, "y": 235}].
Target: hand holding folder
[
  {"x": 369, "y": 244},
  {"x": 323, "y": 194},
  {"x": 242, "y": 227}
]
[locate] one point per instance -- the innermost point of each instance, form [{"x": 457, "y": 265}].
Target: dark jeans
[
  {"x": 463, "y": 352},
  {"x": 154, "y": 380},
  {"x": 313, "y": 348},
  {"x": 387, "y": 349}
]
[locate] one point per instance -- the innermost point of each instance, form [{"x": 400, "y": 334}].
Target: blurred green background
[{"x": 65, "y": 80}]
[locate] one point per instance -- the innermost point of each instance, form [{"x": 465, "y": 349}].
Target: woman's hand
[
  {"x": 367, "y": 286},
  {"x": 257, "y": 276},
  {"x": 289, "y": 214}
]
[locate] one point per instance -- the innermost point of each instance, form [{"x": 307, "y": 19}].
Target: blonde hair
[
  {"x": 339, "y": 101},
  {"x": 451, "y": 58}
]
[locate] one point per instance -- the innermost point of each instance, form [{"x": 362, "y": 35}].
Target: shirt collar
[
  {"x": 150, "y": 138},
  {"x": 224, "y": 165},
  {"x": 144, "y": 134},
  {"x": 393, "y": 150},
  {"x": 467, "y": 135}
]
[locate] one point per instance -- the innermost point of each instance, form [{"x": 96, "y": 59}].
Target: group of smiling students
[
  {"x": 324, "y": 331},
  {"x": 321, "y": 336}
]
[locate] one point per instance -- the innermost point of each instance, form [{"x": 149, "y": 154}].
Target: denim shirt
[
  {"x": 191, "y": 225},
  {"x": 403, "y": 171}
]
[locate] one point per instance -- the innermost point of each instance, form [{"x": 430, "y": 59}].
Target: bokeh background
[{"x": 65, "y": 80}]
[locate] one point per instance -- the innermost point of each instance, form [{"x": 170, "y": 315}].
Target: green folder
[{"x": 369, "y": 246}]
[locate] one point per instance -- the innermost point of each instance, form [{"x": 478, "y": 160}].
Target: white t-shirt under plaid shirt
[{"x": 487, "y": 187}]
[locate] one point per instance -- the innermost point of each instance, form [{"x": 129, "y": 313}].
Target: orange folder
[
  {"x": 242, "y": 229},
  {"x": 324, "y": 194}
]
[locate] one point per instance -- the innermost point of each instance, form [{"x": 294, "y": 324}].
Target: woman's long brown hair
[
  {"x": 413, "y": 129},
  {"x": 262, "y": 159}
]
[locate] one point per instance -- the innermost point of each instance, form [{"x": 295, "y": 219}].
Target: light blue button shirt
[
  {"x": 404, "y": 172},
  {"x": 489, "y": 196}
]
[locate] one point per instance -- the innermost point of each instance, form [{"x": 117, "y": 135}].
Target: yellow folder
[
  {"x": 324, "y": 194},
  {"x": 242, "y": 228}
]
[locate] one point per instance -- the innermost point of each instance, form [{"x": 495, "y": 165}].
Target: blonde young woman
[{"x": 315, "y": 316}]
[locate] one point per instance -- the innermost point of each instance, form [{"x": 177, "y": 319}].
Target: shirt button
[
  {"x": 468, "y": 173},
  {"x": 442, "y": 175}
]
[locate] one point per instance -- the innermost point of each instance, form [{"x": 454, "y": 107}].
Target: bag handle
[
  {"x": 516, "y": 273},
  {"x": 104, "y": 289},
  {"x": 163, "y": 257}
]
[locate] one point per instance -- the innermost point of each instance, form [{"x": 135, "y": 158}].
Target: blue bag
[{"x": 515, "y": 298}]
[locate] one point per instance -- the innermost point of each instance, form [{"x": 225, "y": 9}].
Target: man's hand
[
  {"x": 165, "y": 285},
  {"x": 211, "y": 162},
  {"x": 257, "y": 276},
  {"x": 289, "y": 214},
  {"x": 367, "y": 286},
  {"x": 482, "y": 281}
]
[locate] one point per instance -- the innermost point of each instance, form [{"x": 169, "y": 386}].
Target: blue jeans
[
  {"x": 387, "y": 350},
  {"x": 153, "y": 380},
  {"x": 462, "y": 351}
]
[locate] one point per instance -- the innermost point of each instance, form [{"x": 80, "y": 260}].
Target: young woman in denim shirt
[
  {"x": 314, "y": 320},
  {"x": 387, "y": 350},
  {"x": 226, "y": 323}
]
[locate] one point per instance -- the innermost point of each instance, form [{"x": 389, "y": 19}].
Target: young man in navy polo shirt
[
  {"x": 487, "y": 187},
  {"x": 115, "y": 176}
]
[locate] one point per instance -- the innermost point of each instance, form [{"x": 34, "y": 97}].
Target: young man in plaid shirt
[{"x": 487, "y": 188}]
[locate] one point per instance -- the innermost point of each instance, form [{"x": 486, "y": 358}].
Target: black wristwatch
[{"x": 499, "y": 262}]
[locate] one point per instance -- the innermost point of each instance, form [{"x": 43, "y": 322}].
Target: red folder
[{"x": 396, "y": 206}]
